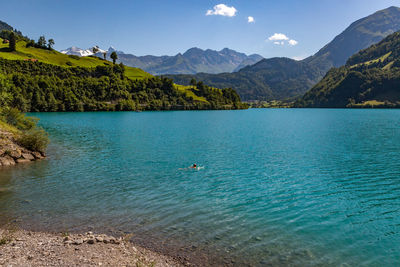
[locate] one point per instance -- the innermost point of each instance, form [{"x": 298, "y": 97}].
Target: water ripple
[{"x": 279, "y": 187}]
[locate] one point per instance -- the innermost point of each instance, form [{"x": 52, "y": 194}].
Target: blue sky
[{"x": 167, "y": 27}]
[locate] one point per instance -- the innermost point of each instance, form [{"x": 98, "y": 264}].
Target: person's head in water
[{"x": 194, "y": 165}]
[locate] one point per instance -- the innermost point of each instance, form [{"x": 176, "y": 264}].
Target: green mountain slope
[
  {"x": 359, "y": 35},
  {"x": 36, "y": 79},
  {"x": 268, "y": 79},
  {"x": 282, "y": 78},
  {"x": 370, "y": 78},
  {"x": 4, "y": 26}
]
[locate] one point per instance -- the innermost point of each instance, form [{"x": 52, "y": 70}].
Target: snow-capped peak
[{"x": 86, "y": 52}]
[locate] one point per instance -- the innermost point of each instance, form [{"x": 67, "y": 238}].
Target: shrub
[
  {"x": 17, "y": 119},
  {"x": 35, "y": 139}
]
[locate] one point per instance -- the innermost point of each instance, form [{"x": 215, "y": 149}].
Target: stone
[
  {"x": 37, "y": 155},
  {"x": 16, "y": 153},
  {"x": 23, "y": 160},
  {"x": 99, "y": 239},
  {"x": 7, "y": 161},
  {"x": 106, "y": 240},
  {"x": 68, "y": 242},
  {"x": 90, "y": 241},
  {"x": 28, "y": 156},
  {"x": 78, "y": 242}
]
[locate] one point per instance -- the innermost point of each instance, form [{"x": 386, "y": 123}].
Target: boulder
[
  {"x": 28, "y": 156},
  {"x": 7, "y": 161},
  {"x": 15, "y": 153},
  {"x": 37, "y": 155}
]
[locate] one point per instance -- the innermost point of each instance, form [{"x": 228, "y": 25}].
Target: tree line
[{"x": 36, "y": 86}]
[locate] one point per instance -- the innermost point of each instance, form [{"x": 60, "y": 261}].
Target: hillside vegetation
[{"x": 370, "y": 78}]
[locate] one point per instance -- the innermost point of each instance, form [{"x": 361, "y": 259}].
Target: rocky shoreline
[
  {"x": 12, "y": 153},
  {"x": 27, "y": 248}
]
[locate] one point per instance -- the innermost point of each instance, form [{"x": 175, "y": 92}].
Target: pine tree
[{"x": 13, "y": 42}]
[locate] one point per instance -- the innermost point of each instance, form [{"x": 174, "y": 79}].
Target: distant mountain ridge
[
  {"x": 6, "y": 27},
  {"x": 193, "y": 61},
  {"x": 284, "y": 78}
]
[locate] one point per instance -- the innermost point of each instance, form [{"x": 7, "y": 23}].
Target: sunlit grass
[
  {"x": 188, "y": 90},
  {"x": 59, "y": 59}
]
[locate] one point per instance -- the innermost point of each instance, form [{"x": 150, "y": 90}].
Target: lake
[{"x": 301, "y": 187}]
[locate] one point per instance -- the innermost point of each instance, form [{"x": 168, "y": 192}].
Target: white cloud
[
  {"x": 281, "y": 39},
  {"x": 250, "y": 19},
  {"x": 278, "y": 37},
  {"x": 222, "y": 10}
]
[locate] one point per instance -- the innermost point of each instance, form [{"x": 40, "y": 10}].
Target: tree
[
  {"x": 42, "y": 42},
  {"x": 12, "y": 42},
  {"x": 193, "y": 82},
  {"x": 105, "y": 55},
  {"x": 114, "y": 56},
  {"x": 30, "y": 43},
  {"x": 50, "y": 44}
]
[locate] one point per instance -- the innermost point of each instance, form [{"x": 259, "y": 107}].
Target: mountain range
[
  {"x": 370, "y": 78},
  {"x": 284, "y": 78},
  {"x": 192, "y": 61}
]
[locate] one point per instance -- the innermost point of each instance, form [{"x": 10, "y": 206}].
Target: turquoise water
[{"x": 302, "y": 187}]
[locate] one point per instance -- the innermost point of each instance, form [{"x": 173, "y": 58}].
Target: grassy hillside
[
  {"x": 59, "y": 59},
  {"x": 370, "y": 78}
]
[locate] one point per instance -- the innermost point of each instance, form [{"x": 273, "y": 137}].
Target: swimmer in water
[{"x": 194, "y": 166}]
